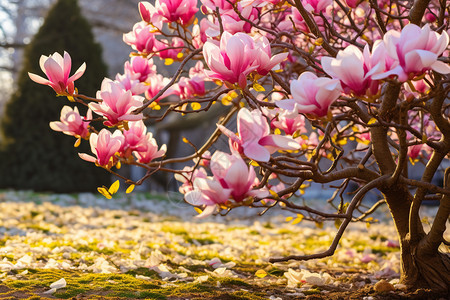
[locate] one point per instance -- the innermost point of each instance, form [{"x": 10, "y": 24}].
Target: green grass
[{"x": 127, "y": 286}]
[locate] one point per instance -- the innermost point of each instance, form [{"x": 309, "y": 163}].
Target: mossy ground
[
  {"x": 126, "y": 286},
  {"x": 57, "y": 241}
]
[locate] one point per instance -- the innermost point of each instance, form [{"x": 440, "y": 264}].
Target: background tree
[{"x": 32, "y": 156}]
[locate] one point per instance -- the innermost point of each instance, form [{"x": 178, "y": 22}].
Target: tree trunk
[{"x": 421, "y": 267}]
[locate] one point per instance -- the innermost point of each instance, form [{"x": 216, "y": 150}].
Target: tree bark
[{"x": 421, "y": 266}]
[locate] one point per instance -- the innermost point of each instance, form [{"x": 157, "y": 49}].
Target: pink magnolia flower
[
  {"x": 72, "y": 123},
  {"x": 117, "y": 104},
  {"x": 254, "y": 139},
  {"x": 141, "y": 38},
  {"x": 414, "y": 151},
  {"x": 299, "y": 22},
  {"x": 289, "y": 121},
  {"x": 204, "y": 160},
  {"x": 208, "y": 192},
  {"x": 141, "y": 68},
  {"x": 198, "y": 70},
  {"x": 317, "y": 6},
  {"x": 134, "y": 138},
  {"x": 161, "y": 48},
  {"x": 231, "y": 171},
  {"x": 312, "y": 95},
  {"x": 416, "y": 88},
  {"x": 57, "y": 70},
  {"x": 415, "y": 50},
  {"x": 352, "y": 3},
  {"x": 182, "y": 11},
  {"x": 149, "y": 150},
  {"x": 155, "y": 84},
  {"x": 149, "y": 14},
  {"x": 128, "y": 83},
  {"x": 199, "y": 36},
  {"x": 223, "y": 5},
  {"x": 355, "y": 69},
  {"x": 104, "y": 145},
  {"x": 232, "y": 23},
  {"x": 237, "y": 56},
  {"x": 308, "y": 142},
  {"x": 232, "y": 60},
  {"x": 187, "y": 178},
  {"x": 188, "y": 88},
  {"x": 264, "y": 58}
]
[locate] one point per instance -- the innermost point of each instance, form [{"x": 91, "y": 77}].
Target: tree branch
[
  {"x": 417, "y": 11},
  {"x": 348, "y": 217}
]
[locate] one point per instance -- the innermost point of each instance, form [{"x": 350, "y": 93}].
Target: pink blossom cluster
[
  {"x": 143, "y": 39},
  {"x": 109, "y": 147},
  {"x": 254, "y": 139},
  {"x": 117, "y": 104},
  {"x": 401, "y": 55},
  {"x": 192, "y": 86},
  {"x": 237, "y": 56},
  {"x": 230, "y": 19},
  {"x": 168, "y": 11},
  {"x": 140, "y": 77},
  {"x": 232, "y": 179}
]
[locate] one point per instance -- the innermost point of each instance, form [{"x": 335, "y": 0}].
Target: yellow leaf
[
  {"x": 261, "y": 273},
  {"x": 168, "y": 61},
  {"x": 258, "y": 87},
  {"x": 77, "y": 143},
  {"x": 104, "y": 192},
  {"x": 196, "y": 105},
  {"x": 372, "y": 121},
  {"x": 118, "y": 165},
  {"x": 297, "y": 220},
  {"x": 130, "y": 189},
  {"x": 274, "y": 194},
  {"x": 367, "y": 225},
  {"x": 319, "y": 225},
  {"x": 198, "y": 210},
  {"x": 254, "y": 163},
  {"x": 180, "y": 55},
  {"x": 185, "y": 140},
  {"x": 288, "y": 219},
  {"x": 114, "y": 187},
  {"x": 71, "y": 99},
  {"x": 233, "y": 94},
  {"x": 277, "y": 131},
  {"x": 318, "y": 42}
]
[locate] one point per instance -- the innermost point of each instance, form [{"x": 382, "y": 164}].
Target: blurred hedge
[{"x": 32, "y": 156}]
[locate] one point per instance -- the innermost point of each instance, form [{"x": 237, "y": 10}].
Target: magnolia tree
[{"x": 303, "y": 78}]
